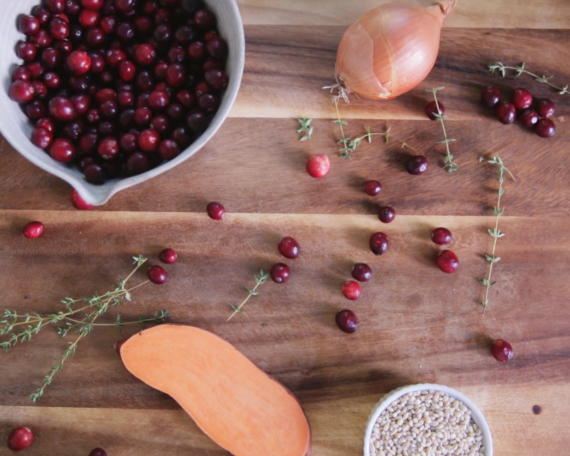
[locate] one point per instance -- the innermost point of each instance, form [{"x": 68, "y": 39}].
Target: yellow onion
[{"x": 390, "y": 49}]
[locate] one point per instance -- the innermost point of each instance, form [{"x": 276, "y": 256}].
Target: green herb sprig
[
  {"x": 498, "y": 66},
  {"x": 306, "y": 128},
  {"x": 260, "y": 279},
  {"x": 449, "y": 165},
  {"x": 495, "y": 233}
]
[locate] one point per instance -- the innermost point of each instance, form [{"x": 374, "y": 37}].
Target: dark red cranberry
[
  {"x": 21, "y": 91},
  {"x": 209, "y": 102},
  {"x": 216, "y": 211},
  {"x": 95, "y": 174},
  {"x": 143, "y": 116},
  {"x": 491, "y": 97},
  {"x": 42, "y": 39},
  {"x": 87, "y": 161},
  {"x": 46, "y": 123},
  {"x": 26, "y": 51},
  {"x": 289, "y": 248},
  {"x": 93, "y": 116},
  {"x": 76, "y": 34},
  {"x": 143, "y": 25},
  {"x": 88, "y": 143},
  {"x": 386, "y": 214},
  {"x": 79, "y": 83},
  {"x": 198, "y": 121},
  {"x": 72, "y": 7},
  {"x": 98, "y": 63},
  {"x": 52, "y": 80},
  {"x": 125, "y": 5},
  {"x": 95, "y": 37},
  {"x": 88, "y": 18},
  {"x": 108, "y": 148},
  {"x": 148, "y": 140},
  {"x": 346, "y": 321},
  {"x": 62, "y": 150},
  {"x": 115, "y": 57},
  {"x": 175, "y": 111},
  {"x": 144, "y": 81},
  {"x": 176, "y": 75},
  {"x": 94, "y": 5},
  {"x": 127, "y": 118},
  {"x": 502, "y": 351},
  {"x": 108, "y": 24},
  {"x": 184, "y": 34},
  {"x": 74, "y": 130},
  {"x": 417, "y": 164},
  {"x": 432, "y": 111},
  {"x": 158, "y": 100},
  {"x": 51, "y": 57},
  {"x": 160, "y": 124},
  {"x": 36, "y": 110},
  {"x": 58, "y": 29},
  {"x": 106, "y": 78},
  {"x": 104, "y": 95},
  {"x": 197, "y": 51},
  {"x": 21, "y": 437},
  {"x": 185, "y": 98},
  {"x": 160, "y": 70},
  {"x": 41, "y": 138},
  {"x": 161, "y": 16},
  {"x": 79, "y": 62},
  {"x": 62, "y": 109},
  {"x": 351, "y": 290},
  {"x": 447, "y": 261},
  {"x": 212, "y": 64},
  {"x": 41, "y": 14},
  {"x": 506, "y": 113},
  {"x": 127, "y": 71},
  {"x": 204, "y": 19},
  {"x": 168, "y": 256},
  {"x": 217, "y": 47},
  {"x": 36, "y": 69},
  {"x": 107, "y": 128},
  {"x": 362, "y": 272},
  {"x": 379, "y": 243},
  {"x": 145, "y": 54},
  {"x": 522, "y": 99},
  {"x": 163, "y": 33},
  {"x": 81, "y": 103},
  {"x": 441, "y": 236},
  {"x": 128, "y": 143},
  {"x": 190, "y": 6},
  {"x": 528, "y": 118},
  {"x": 545, "y": 128},
  {"x": 164, "y": 87},
  {"x": 65, "y": 47},
  {"x": 55, "y": 6},
  {"x": 110, "y": 7},
  {"x": 22, "y": 73},
  {"x": 126, "y": 99},
  {"x": 168, "y": 149},
  {"x": 28, "y": 25},
  {"x": 138, "y": 163},
  {"x": 78, "y": 202},
  {"x": 280, "y": 273},
  {"x": 182, "y": 137},
  {"x": 125, "y": 31},
  {"x": 176, "y": 54},
  {"x": 157, "y": 275},
  {"x": 545, "y": 107},
  {"x": 217, "y": 79},
  {"x": 109, "y": 109},
  {"x": 372, "y": 188}
]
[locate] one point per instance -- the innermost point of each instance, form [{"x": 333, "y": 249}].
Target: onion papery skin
[{"x": 390, "y": 49}]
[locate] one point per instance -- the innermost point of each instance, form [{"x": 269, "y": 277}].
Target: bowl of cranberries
[{"x": 106, "y": 94}]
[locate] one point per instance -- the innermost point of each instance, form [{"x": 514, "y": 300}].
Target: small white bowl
[
  {"x": 399, "y": 392},
  {"x": 16, "y": 128}
]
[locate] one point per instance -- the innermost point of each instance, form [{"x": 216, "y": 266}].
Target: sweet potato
[{"x": 236, "y": 404}]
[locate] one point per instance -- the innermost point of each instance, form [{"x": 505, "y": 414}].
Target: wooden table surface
[{"x": 417, "y": 324}]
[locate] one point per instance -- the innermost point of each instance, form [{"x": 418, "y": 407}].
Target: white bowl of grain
[{"x": 426, "y": 420}]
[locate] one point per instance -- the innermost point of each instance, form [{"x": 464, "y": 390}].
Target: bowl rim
[{"x": 394, "y": 395}]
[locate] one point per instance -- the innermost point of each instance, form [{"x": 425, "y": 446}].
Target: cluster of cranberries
[
  {"x": 290, "y": 249},
  {"x": 157, "y": 274},
  {"x": 346, "y": 319},
  {"x": 446, "y": 260},
  {"x": 531, "y": 114},
  {"x": 117, "y": 87}
]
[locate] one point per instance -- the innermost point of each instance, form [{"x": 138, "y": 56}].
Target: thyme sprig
[
  {"x": 260, "y": 279},
  {"x": 449, "y": 165},
  {"x": 501, "y": 68},
  {"x": 306, "y": 128},
  {"x": 495, "y": 233}
]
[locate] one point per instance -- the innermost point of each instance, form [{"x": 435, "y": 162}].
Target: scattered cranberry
[
  {"x": 417, "y": 165},
  {"x": 502, "y": 351},
  {"x": 447, "y": 261},
  {"x": 362, "y": 272},
  {"x": 20, "y": 438},
  {"x": 372, "y": 188},
  {"x": 168, "y": 256},
  {"x": 78, "y": 202},
  {"x": 216, "y": 211},
  {"x": 280, "y": 273},
  {"x": 318, "y": 166},
  {"x": 351, "y": 290},
  {"x": 432, "y": 111},
  {"x": 522, "y": 99},
  {"x": 506, "y": 113},
  {"x": 289, "y": 248},
  {"x": 545, "y": 107},
  {"x": 21, "y": 91},
  {"x": 33, "y": 230},
  {"x": 62, "y": 150},
  {"x": 157, "y": 275},
  {"x": 491, "y": 96},
  {"x": 346, "y": 321},
  {"x": 545, "y": 128},
  {"x": 528, "y": 118},
  {"x": 386, "y": 214},
  {"x": 379, "y": 243},
  {"x": 99, "y": 451},
  {"x": 441, "y": 236}
]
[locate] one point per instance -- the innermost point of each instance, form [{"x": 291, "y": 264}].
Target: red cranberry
[
  {"x": 351, "y": 290},
  {"x": 128, "y": 143},
  {"x": 142, "y": 116},
  {"x": 115, "y": 57},
  {"x": 198, "y": 121},
  {"x": 545, "y": 107},
  {"x": 93, "y": 116},
  {"x": 125, "y": 31},
  {"x": 175, "y": 111},
  {"x": 346, "y": 321},
  {"x": 280, "y": 273},
  {"x": 51, "y": 57},
  {"x": 108, "y": 148},
  {"x": 212, "y": 64},
  {"x": 62, "y": 150},
  {"x": 105, "y": 95},
  {"x": 46, "y": 123},
  {"x": 185, "y": 98},
  {"x": 95, "y": 174},
  {"x": 42, "y": 39},
  {"x": 26, "y": 51},
  {"x": 36, "y": 68},
  {"x": 502, "y": 351},
  {"x": 216, "y": 211},
  {"x": 64, "y": 47},
  {"x": 107, "y": 128},
  {"x": 74, "y": 130},
  {"x": 184, "y": 34},
  {"x": 143, "y": 25},
  {"x": 145, "y": 54},
  {"x": 94, "y": 5},
  {"x": 162, "y": 16},
  {"x": 217, "y": 47},
  {"x": 545, "y": 128},
  {"x": 318, "y": 166},
  {"x": 447, "y": 261},
  {"x": 361, "y": 272},
  {"x": 522, "y": 99},
  {"x": 95, "y": 37},
  {"x": 441, "y": 236},
  {"x": 201, "y": 88},
  {"x": 432, "y": 111},
  {"x": 62, "y": 109},
  {"x": 40, "y": 90},
  {"x": 372, "y": 188},
  {"x": 160, "y": 70},
  {"x": 79, "y": 62},
  {"x": 138, "y": 163},
  {"x": 176, "y": 54},
  {"x": 41, "y": 138},
  {"x": 208, "y": 102},
  {"x": 491, "y": 96},
  {"x": 506, "y": 113},
  {"x": 81, "y": 103},
  {"x": 379, "y": 243},
  {"x": 109, "y": 109},
  {"x": 78, "y": 202},
  {"x": 22, "y": 73},
  {"x": 160, "y": 124},
  {"x": 72, "y": 7},
  {"x": 157, "y": 275},
  {"x": 59, "y": 29},
  {"x": 21, "y": 437},
  {"x": 109, "y": 24},
  {"x": 386, "y": 214},
  {"x": 204, "y": 19},
  {"x": 88, "y": 18},
  {"x": 168, "y": 149},
  {"x": 125, "y": 5},
  {"x": 176, "y": 75},
  {"x": 182, "y": 137},
  {"x": 417, "y": 165},
  {"x": 289, "y": 248},
  {"x": 98, "y": 63},
  {"x": 88, "y": 143},
  {"x": 163, "y": 33},
  {"x": 126, "y": 98},
  {"x": 55, "y": 6},
  {"x": 197, "y": 51},
  {"x": 36, "y": 110},
  {"x": 144, "y": 81},
  {"x": 28, "y": 25},
  {"x": 158, "y": 100},
  {"x": 528, "y": 118},
  {"x": 168, "y": 256},
  {"x": 217, "y": 79},
  {"x": 148, "y": 140},
  {"x": 41, "y": 14},
  {"x": 127, "y": 71},
  {"x": 52, "y": 80},
  {"x": 21, "y": 91}
]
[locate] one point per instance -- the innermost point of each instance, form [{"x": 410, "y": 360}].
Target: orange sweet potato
[{"x": 236, "y": 404}]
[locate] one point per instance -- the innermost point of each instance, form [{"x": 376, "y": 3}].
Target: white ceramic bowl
[
  {"x": 399, "y": 392},
  {"x": 16, "y": 128}
]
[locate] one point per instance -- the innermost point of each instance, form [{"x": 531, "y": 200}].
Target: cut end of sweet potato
[{"x": 235, "y": 403}]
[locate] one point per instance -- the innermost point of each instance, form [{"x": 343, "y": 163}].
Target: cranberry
[
  {"x": 148, "y": 140},
  {"x": 36, "y": 69},
  {"x": 522, "y": 99},
  {"x": 55, "y": 6},
  {"x": 176, "y": 54},
  {"x": 197, "y": 51},
  {"x": 145, "y": 54},
  {"x": 204, "y": 19},
  {"x": 125, "y": 5},
  {"x": 217, "y": 79},
  {"x": 506, "y": 113},
  {"x": 447, "y": 261},
  {"x": 212, "y": 64},
  {"x": 201, "y": 88},
  {"x": 109, "y": 109},
  {"x": 386, "y": 214},
  {"x": 78, "y": 202},
  {"x": 545, "y": 107},
  {"x": 105, "y": 95},
  {"x": 216, "y": 211},
  {"x": 143, "y": 25},
  {"x": 162, "y": 33},
  {"x": 98, "y": 63},
  {"x": 74, "y": 130},
  {"x": 107, "y": 128},
  {"x": 109, "y": 24},
  {"x": 168, "y": 149},
  {"x": 318, "y": 166},
  {"x": 176, "y": 75},
  {"x": 280, "y": 273},
  {"x": 28, "y": 25},
  {"x": 346, "y": 321},
  {"x": 417, "y": 165},
  {"x": 128, "y": 143},
  {"x": 184, "y": 34},
  {"x": 441, "y": 236},
  {"x": 52, "y": 80},
  {"x": 208, "y": 102},
  {"x": 79, "y": 62},
  {"x": 72, "y": 7},
  {"x": 41, "y": 14},
  {"x": 51, "y": 57},
  {"x": 108, "y": 148},
  {"x": 21, "y": 91},
  {"x": 491, "y": 96},
  {"x": 160, "y": 70},
  {"x": 361, "y": 272},
  {"x": 175, "y": 111},
  {"x": 93, "y": 116},
  {"x": 88, "y": 18},
  {"x": 144, "y": 81},
  {"x": 36, "y": 110},
  {"x": 46, "y": 123},
  {"x": 88, "y": 143},
  {"x": 42, "y": 39},
  {"x": 185, "y": 98},
  {"x": 142, "y": 116},
  {"x": 351, "y": 290},
  {"x": 502, "y": 351},
  {"x": 125, "y": 31},
  {"x": 138, "y": 163},
  {"x": 289, "y": 248},
  {"x": 545, "y": 128},
  {"x": 115, "y": 57},
  {"x": 198, "y": 121},
  {"x": 157, "y": 275},
  {"x": 59, "y": 28},
  {"x": 95, "y": 174},
  {"x": 62, "y": 109},
  {"x": 182, "y": 137},
  {"x": 62, "y": 150},
  {"x": 41, "y": 138},
  {"x": 379, "y": 243},
  {"x": 21, "y": 437},
  {"x": 94, "y": 5},
  {"x": 162, "y": 16},
  {"x": 81, "y": 103},
  {"x": 64, "y": 47},
  {"x": 432, "y": 111},
  {"x": 40, "y": 90},
  {"x": 168, "y": 256},
  {"x": 158, "y": 100},
  {"x": 528, "y": 118},
  {"x": 161, "y": 125},
  {"x": 217, "y": 47},
  {"x": 95, "y": 37},
  {"x": 26, "y": 51},
  {"x": 21, "y": 73}
]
